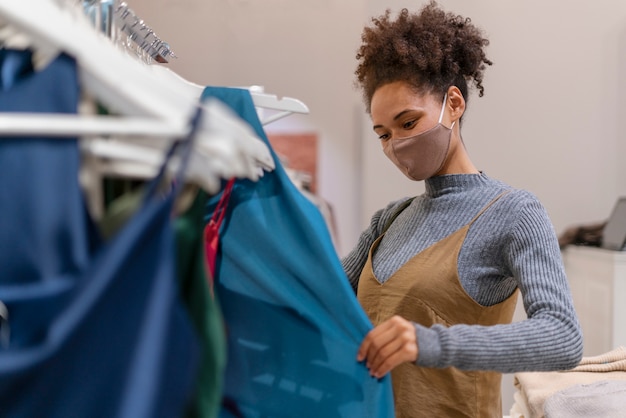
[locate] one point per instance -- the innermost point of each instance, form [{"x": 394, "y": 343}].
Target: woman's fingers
[
  {"x": 388, "y": 345},
  {"x": 391, "y": 362},
  {"x": 375, "y": 341},
  {"x": 396, "y": 351}
]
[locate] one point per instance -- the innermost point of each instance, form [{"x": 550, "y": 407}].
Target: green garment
[
  {"x": 202, "y": 307},
  {"x": 120, "y": 210}
]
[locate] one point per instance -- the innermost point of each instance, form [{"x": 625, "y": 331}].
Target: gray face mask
[{"x": 421, "y": 156}]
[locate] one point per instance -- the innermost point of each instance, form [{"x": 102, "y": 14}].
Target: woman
[{"x": 439, "y": 274}]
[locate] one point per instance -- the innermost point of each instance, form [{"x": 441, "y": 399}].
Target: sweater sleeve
[
  {"x": 354, "y": 262},
  {"x": 549, "y": 339}
]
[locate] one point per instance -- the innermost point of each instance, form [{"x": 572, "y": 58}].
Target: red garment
[{"x": 212, "y": 230}]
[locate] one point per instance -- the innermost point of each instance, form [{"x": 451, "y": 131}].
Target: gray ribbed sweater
[{"x": 512, "y": 245}]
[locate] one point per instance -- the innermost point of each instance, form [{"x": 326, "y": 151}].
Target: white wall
[
  {"x": 551, "y": 116},
  {"x": 550, "y": 120}
]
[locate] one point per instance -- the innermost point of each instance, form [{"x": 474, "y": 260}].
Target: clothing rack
[
  {"x": 141, "y": 34},
  {"x": 109, "y": 16},
  {"x": 100, "y": 13}
]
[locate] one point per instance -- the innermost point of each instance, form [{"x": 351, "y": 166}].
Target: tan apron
[{"x": 427, "y": 290}]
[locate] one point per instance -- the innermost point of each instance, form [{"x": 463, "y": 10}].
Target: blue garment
[
  {"x": 293, "y": 322},
  {"x": 96, "y": 329}
]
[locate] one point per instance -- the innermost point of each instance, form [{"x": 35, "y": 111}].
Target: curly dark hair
[{"x": 431, "y": 50}]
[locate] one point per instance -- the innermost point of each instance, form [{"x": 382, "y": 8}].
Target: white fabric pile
[{"x": 595, "y": 388}]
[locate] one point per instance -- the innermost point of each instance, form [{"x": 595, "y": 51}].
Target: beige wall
[{"x": 550, "y": 120}]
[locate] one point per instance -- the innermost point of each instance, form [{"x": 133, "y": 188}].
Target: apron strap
[
  {"x": 407, "y": 202},
  {"x": 495, "y": 199},
  {"x": 399, "y": 210}
]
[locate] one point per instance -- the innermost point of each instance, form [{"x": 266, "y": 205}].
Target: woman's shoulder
[
  {"x": 515, "y": 204},
  {"x": 382, "y": 218},
  {"x": 514, "y": 195}
]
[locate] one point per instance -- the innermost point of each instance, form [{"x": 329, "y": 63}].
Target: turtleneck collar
[{"x": 453, "y": 183}]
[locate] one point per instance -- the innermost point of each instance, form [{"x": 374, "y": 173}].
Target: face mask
[{"x": 421, "y": 156}]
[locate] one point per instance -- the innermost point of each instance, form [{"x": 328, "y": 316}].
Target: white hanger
[
  {"x": 286, "y": 105},
  {"x": 117, "y": 79},
  {"x": 129, "y": 23},
  {"x": 150, "y": 107}
]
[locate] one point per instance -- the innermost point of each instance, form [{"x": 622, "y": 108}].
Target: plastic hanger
[
  {"x": 148, "y": 106},
  {"x": 130, "y": 24},
  {"x": 133, "y": 161},
  {"x": 114, "y": 77},
  {"x": 285, "y": 105}
]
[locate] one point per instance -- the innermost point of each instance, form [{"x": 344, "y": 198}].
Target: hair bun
[{"x": 431, "y": 49}]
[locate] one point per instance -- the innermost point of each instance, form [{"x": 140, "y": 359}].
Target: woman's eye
[
  {"x": 409, "y": 124},
  {"x": 383, "y": 137}
]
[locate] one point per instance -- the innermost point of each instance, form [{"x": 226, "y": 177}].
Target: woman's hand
[{"x": 388, "y": 345}]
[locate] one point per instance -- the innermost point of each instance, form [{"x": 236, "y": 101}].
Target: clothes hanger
[
  {"x": 146, "y": 106},
  {"x": 218, "y": 158},
  {"x": 128, "y": 22},
  {"x": 112, "y": 76},
  {"x": 135, "y": 28},
  {"x": 285, "y": 105}
]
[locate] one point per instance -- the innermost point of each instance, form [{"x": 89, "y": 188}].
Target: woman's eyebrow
[{"x": 399, "y": 115}]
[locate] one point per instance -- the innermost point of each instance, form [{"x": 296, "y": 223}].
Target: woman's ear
[{"x": 456, "y": 103}]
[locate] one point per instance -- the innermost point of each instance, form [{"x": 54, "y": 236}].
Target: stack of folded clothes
[{"x": 595, "y": 388}]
